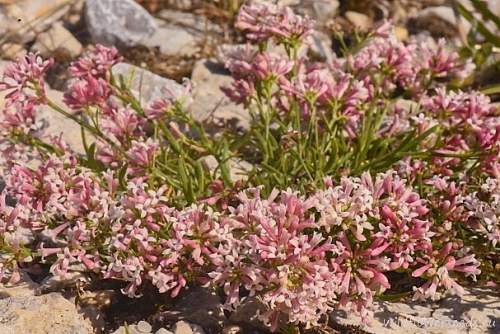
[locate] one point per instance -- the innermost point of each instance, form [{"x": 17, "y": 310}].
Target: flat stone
[
  {"x": 210, "y": 101},
  {"x": 325, "y": 10},
  {"x": 477, "y": 312},
  {"x": 163, "y": 331},
  {"x": 118, "y": 22},
  {"x": 143, "y": 327},
  {"x": 182, "y": 327},
  {"x": 56, "y": 124},
  {"x": 23, "y": 312},
  {"x": 440, "y": 21},
  {"x": 182, "y": 34},
  {"x": 25, "y": 19},
  {"x": 145, "y": 84},
  {"x": 58, "y": 42},
  {"x": 359, "y": 20},
  {"x": 12, "y": 51}
]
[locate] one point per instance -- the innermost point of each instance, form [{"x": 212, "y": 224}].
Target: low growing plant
[{"x": 362, "y": 168}]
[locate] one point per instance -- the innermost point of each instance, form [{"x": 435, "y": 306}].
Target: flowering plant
[{"x": 363, "y": 166}]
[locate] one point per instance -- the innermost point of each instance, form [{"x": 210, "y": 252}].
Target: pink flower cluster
[{"x": 113, "y": 211}]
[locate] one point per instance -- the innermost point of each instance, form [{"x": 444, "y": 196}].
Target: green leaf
[{"x": 490, "y": 90}]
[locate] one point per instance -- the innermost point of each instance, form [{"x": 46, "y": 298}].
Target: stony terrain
[{"x": 181, "y": 38}]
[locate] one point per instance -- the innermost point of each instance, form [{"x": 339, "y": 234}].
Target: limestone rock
[
  {"x": 25, "y": 19},
  {"x": 118, "y": 22},
  {"x": 325, "y": 10},
  {"x": 210, "y": 101},
  {"x": 23, "y": 312},
  {"x": 247, "y": 314},
  {"x": 183, "y": 327},
  {"x": 181, "y": 34},
  {"x": 440, "y": 21},
  {"x": 56, "y": 124},
  {"x": 145, "y": 84},
  {"x": 476, "y": 312},
  {"x": 58, "y": 42},
  {"x": 359, "y": 20},
  {"x": 12, "y": 51}
]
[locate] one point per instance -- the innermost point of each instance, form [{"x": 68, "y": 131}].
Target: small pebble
[
  {"x": 143, "y": 327},
  {"x": 163, "y": 331}
]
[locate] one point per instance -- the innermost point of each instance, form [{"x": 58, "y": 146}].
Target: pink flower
[
  {"x": 270, "y": 65},
  {"x": 26, "y": 72},
  {"x": 95, "y": 63},
  {"x": 86, "y": 93}
]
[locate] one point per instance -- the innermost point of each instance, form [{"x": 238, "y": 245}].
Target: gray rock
[
  {"x": 182, "y": 34},
  {"x": 200, "y": 306},
  {"x": 118, "y": 22},
  {"x": 210, "y": 102},
  {"x": 58, "y": 41},
  {"x": 478, "y": 311},
  {"x": 321, "y": 46},
  {"x": 146, "y": 85},
  {"x": 439, "y": 21},
  {"x": 23, "y": 312},
  {"x": 325, "y": 10},
  {"x": 247, "y": 314}
]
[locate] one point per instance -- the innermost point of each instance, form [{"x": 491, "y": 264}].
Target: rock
[
  {"x": 325, "y": 10},
  {"x": 182, "y": 34},
  {"x": 163, "y": 331},
  {"x": 26, "y": 19},
  {"x": 232, "y": 329},
  {"x": 440, "y": 21},
  {"x": 143, "y": 327},
  {"x": 401, "y": 33},
  {"x": 23, "y": 312},
  {"x": 145, "y": 84},
  {"x": 476, "y": 312},
  {"x": 359, "y": 20},
  {"x": 321, "y": 46},
  {"x": 118, "y": 22},
  {"x": 57, "y": 124},
  {"x": 58, "y": 42},
  {"x": 247, "y": 314},
  {"x": 210, "y": 101},
  {"x": 182, "y": 327},
  {"x": 199, "y": 306},
  {"x": 12, "y": 51},
  {"x": 238, "y": 168}
]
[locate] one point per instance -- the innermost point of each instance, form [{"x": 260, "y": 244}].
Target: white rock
[
  {"x": 146, "y": 85},
  {"x": 181, "y": 34},
  {"x": 143, "y": 327},
  {"x": 182, "y": 327},
  {"x": 26, "y": 19},
  {"x": 58, "y": 41},
  {"x": 479, "y": 307},
  {"x": 210, "y": 101},
  {"x": 57, "y": 124},
  {"x": 325, "y": 10},
  {"x": 359, "y": 20},
  {"x": 12, "y": 51},
  {"x": 163, "y": 331},
  {"x": 23, "y": 312},
  {"x": 118, "y": 22}
]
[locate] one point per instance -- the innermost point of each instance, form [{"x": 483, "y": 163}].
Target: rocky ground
[{"x": 163, "y": 43}]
